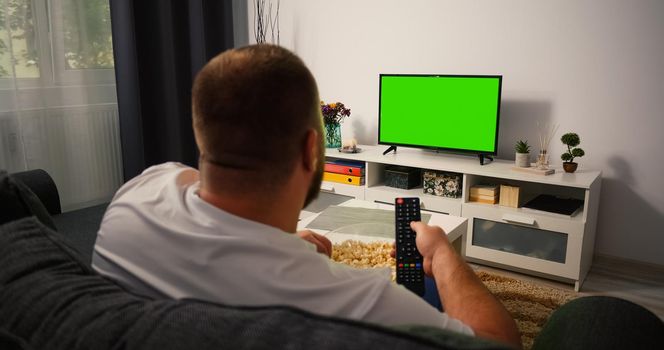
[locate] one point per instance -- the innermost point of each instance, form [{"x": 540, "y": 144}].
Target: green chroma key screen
[{"x": 440, "y": 111}]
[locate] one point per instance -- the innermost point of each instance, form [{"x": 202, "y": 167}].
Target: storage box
[
  {"x": 402, "y": 177},
  {"x": 483, "y": 199},
  {"x": 510, "y": 196},
  {"x": 485, "y": 190},
  {"x": 442, "y": 184},
  {"x": 487, "y": 194}
]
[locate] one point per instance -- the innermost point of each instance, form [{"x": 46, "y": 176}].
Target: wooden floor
[{"x": 637, "y": 282}]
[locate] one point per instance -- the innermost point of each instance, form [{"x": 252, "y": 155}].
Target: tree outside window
[
  {"x": 82, "y": 34},
  {"x": 18, "y": 45},
  {"x": 87, "y": 34}
]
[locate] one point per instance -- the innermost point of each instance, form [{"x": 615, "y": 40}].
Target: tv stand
[
  {"x": 482, "y": 156},
  {"x": 519, "y": 239},
  {"x": 392, "y": 148}
]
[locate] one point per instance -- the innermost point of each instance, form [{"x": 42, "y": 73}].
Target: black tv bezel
[{"x": 446, "y": 149}]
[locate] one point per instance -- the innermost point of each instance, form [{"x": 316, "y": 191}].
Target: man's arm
[{"x": 463, "y": 295}]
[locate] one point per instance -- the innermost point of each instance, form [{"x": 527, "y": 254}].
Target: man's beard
[{"x": 317, "y": 180}]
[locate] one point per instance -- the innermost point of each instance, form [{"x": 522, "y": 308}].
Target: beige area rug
[{"x": 529, "y": 303}]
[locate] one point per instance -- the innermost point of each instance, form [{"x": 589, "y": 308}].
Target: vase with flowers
[{"x": 333, "y": 115}]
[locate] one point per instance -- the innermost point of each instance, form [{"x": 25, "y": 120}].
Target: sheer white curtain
[{"x": 58, "y": 107}]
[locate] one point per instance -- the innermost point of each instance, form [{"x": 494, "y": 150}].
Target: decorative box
[
  {"x": 442, "y": 184},
  {"x": 511, "y": 196},
  {"x": 402, "y": 177}
]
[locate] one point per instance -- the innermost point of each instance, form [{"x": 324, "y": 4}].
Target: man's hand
[
  {"x": 429, "y": 238},
  {"x": 323, "y": 245}
]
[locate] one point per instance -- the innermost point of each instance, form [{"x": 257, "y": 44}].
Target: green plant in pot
[
  {"x": 522, "y": 158},
  {"x": 571, "y": 140}
]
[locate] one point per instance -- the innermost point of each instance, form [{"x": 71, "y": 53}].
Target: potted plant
[
  {"x": 571, "y": 140},
  {"x": 333, "y": 115},
  {"x": 522, "y": 154}
]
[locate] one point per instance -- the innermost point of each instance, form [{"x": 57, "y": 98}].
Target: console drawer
[
  {"x": 343, "y": 189},
  {"x": 521, "y": 240},
  {"x": 536, "y": 243},
  {"x": 441, "y": 205}
]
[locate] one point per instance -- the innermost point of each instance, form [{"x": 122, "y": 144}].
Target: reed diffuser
[{"x": 545, "y": 136}]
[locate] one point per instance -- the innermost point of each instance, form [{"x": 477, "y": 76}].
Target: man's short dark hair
[{"x": 251, "y": 109}]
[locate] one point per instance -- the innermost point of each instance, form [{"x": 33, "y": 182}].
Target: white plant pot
[{"x": 522, "y": 160}]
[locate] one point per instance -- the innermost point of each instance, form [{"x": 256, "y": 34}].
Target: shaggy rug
[{"x": 529, "y": 303}]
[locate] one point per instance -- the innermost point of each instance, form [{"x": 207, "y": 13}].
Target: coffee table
[
  {"x": 453, "y": 226},
  {"x": 383, "y": 230}
]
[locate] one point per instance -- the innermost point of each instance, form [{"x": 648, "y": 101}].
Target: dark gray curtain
[{"x": 159, "y": 46}]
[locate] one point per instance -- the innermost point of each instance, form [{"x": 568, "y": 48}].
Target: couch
[
  {"x": 78, "y": 226},
  {"x": 50, "y": 298}
]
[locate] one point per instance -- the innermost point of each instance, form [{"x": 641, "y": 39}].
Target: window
[
  {"x": 18, "y": 40},
  {"x": 56, "y": 41},
  {"x": 58, "y": 104},
  {"x": 87, "y": 34},
  {"x": 82, "y": 41}
]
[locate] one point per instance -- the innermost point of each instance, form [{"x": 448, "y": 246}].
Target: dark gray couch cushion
[
  {"x": 43, "y": 186},
  {"x": 49, "y": 298},
  {"x": 9, "y": 341},
  {"x": 18, "y": 201},
  {"x": 80, "y": 228}
]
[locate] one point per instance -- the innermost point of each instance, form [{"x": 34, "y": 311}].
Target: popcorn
[{"x": 364, "y": 255}]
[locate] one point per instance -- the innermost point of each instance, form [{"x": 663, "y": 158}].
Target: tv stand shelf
[{"x": 538, "y": 243}]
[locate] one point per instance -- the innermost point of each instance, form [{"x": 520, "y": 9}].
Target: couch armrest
[{"x": 41, "y": 183}]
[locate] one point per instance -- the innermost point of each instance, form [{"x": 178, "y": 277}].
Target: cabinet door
[
  {"x": 521, "y": 240},
  {"x": 542, "y": 245}
]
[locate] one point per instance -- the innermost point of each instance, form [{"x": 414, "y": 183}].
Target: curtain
[
  {"x": 58, "y": 106},
  {"x": 159, "y": 46}
]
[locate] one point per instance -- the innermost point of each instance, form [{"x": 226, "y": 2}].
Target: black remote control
[{"x": 410, "y": 271}]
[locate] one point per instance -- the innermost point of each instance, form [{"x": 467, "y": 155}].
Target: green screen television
[{"x": 456, "y": 113}]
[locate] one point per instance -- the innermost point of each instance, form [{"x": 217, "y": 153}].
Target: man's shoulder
[
  {"x": 167, "y": 167},
  {"x": 158, "y": 177},
  {"x": 165, "y": 171}
]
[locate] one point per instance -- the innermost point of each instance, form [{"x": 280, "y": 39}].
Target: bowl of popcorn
[{"x": 365, "y": 245}]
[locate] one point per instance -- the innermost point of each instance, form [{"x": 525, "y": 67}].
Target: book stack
[
  {"x": 488, "y": 194},
  {"x": 344, "y": 171}
]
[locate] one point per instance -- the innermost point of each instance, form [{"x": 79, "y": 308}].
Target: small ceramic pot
[
  {"x": 570, "y": 167},
  {"x": 522, "y": 160}
]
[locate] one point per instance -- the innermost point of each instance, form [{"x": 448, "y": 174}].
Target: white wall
[{"x": 595, "y": 67}]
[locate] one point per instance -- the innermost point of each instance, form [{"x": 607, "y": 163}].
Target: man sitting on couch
[{"x": 227, "y": 234}]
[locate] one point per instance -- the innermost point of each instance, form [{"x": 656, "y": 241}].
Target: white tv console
[{"x": 548, "y": 245}]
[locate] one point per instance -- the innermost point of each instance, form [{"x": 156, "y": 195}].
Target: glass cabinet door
[{"x": 527, "y": 241}]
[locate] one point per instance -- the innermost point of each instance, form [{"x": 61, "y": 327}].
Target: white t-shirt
[{"x": 159, "y": 238}]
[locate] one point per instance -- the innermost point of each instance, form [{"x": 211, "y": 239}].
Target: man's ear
[{"x": 311, "y": 151}]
